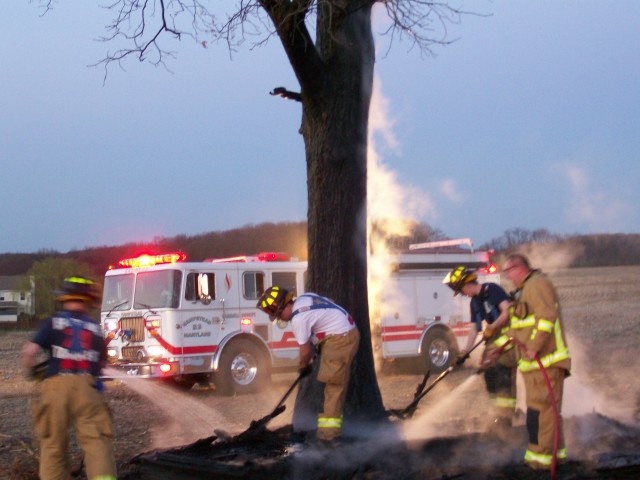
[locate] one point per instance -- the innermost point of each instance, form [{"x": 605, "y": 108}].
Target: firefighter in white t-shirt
[{"x": 317, "y": 320}]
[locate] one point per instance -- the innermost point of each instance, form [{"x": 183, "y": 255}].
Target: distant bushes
[{"x": 291, "y": 237}]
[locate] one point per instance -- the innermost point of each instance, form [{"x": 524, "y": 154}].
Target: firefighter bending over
[
  {"x": 489, "y": 302},
  {"x": 536, "y": 326},
  {"x": 331, "y": 329},
  {"x": 71, "y": 389}
]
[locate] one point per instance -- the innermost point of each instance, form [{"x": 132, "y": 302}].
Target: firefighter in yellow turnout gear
[
  {"x": 71, "y": 389},
  {"x": 331, "y": 329},
  {"x": 536, "y": 327}
]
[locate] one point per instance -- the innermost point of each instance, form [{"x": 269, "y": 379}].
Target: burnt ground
[
  {"x": 271, "y": 454},
  {"x": 156, "y": 426}
]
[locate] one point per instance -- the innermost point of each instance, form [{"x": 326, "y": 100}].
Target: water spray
[{"x": 410, "y": 409}]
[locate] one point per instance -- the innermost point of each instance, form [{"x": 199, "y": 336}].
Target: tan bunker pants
[
  {"x": 336, "y": 355},
  {"x": 74, "y": 398},
  {"x": 541, "y": 420}
]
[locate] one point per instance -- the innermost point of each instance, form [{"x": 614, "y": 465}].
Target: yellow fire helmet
[
  {"x": 459, "y": 277},
  {"x": 77, "y": 288},
  {"x": 273, "y": 301}
]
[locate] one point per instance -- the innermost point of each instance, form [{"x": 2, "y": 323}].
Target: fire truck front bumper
[{"x": 156, "y": 369}]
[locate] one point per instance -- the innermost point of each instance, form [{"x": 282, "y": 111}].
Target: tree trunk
[{"x": 334, "y": 127}]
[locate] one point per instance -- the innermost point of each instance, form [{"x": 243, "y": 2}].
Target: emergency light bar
[
  {"x": 150, "y": 260},
  {"x": 261, "y": 257}
]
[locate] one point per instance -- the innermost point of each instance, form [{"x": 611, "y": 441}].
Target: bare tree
[{"x": 330, "y": 46}]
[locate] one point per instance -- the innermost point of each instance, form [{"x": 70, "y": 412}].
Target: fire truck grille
[
  {"x": 135, "y": 325},
  {"x": 131, "y": 353}
]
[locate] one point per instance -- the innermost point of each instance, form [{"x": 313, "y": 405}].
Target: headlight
[
  {"x": 112, "y": 353},
  {"x": 155, "y": 351},
  {"x": 111, "y": 325}
]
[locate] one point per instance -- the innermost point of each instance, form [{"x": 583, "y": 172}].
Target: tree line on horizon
[{"x": 596, "y": 250}]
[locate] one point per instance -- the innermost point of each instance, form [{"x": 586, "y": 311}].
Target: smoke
[
  {"x": 397, "y": 206},
  {"x": 590, "y": 205},
  {"x": 551, "y": 256},
  {"x": 392, "y": 208},
  {"x": 581, "y": 399}
]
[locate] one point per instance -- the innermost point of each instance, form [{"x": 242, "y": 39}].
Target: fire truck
[{"x": 197, "y": 322}]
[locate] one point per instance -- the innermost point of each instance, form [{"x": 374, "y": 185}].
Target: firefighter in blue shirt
[
  {"x": 489, "y": 302},
  {"x": 71, "y": 389}
]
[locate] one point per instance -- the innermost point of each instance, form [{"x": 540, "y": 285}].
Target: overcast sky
[{"x": 530, "y": 119}]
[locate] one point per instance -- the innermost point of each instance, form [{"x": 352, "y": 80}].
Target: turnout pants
[
  {"x": 74, "y": 398},
  {"x": 541, "y": 420},
  {"x": 500, "y": 380},
  {"x": 336, "y": 355}
]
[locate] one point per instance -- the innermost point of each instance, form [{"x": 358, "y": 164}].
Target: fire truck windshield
[
  {"x": 118, "y": 293},
  {"x": 158, "y": 289}
]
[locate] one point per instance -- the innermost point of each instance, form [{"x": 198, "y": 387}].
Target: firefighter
[
  {"x": 536, "y": 327},
  {"x": 489, "y": 302},
  {"x": 317, "y": 320},
  {"x": 71, "y": 389}
]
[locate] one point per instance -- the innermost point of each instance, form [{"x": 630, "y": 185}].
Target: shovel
[{"x": 280, "y": 407}]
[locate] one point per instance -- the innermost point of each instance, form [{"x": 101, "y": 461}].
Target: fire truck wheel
[
  {"x": 439, "y": 350},
  {"x": 243, "y": 369}
]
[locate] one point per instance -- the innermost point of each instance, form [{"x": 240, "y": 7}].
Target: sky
[{"x": 529, "y": 119}]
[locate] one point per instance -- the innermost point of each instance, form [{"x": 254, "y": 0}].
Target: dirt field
[{"x": 600, "y": 308}]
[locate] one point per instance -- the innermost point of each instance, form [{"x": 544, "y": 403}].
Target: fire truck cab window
[
  {"x": 118, "y": 292},
  {"x": 252, "y": 285},
  {"x": 200, "y": 286},
  {"x": 159, "y": 289},
  {"x": 285, "y": 280}
]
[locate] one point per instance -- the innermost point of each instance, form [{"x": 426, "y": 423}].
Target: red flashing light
[
  {"x": 273, "y": 257},
  {"x": 150, "y": 260},
  {"x": 491, "y": 268}
]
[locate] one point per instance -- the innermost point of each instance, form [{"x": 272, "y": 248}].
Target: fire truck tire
[
  {"x": 243, "y": 369},
  {"x": 439, "y": 350}
]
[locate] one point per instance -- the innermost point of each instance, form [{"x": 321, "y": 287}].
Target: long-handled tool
[
  {"x": 410, "y": 409},
  {"x": 404, "y": 413},
  {"x": 280, "y": 407},
  {"x": 461, "y": 360}
]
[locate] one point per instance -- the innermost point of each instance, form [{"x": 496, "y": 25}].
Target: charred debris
[{"x": 601, "y": 448}]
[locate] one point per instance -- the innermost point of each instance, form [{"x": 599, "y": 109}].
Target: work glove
[
  {"x": 304, "y": 371},
  {"x": 487, "y": 334},
  {"x": 461, "y": 358},
  {"x": 36, "y": 373},
  {"x": 489, "y": 359}
]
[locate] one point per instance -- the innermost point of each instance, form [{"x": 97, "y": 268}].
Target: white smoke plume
[
  {"x": 591, "y": 205},
  {"x": 393, "y": 208}
]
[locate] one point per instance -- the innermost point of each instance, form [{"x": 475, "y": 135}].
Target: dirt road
[{"x": 600, "y": 309}]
